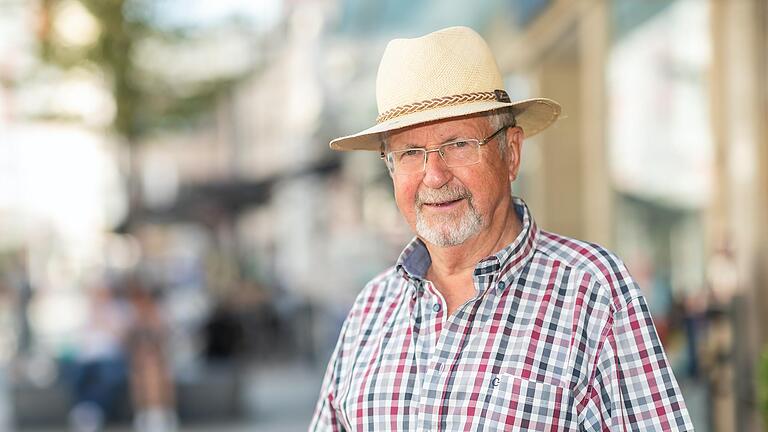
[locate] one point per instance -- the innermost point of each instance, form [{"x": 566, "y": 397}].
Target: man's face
[{"x": 447, "y": 206}]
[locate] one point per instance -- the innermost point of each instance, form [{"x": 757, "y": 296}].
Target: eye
[
  {"x": 459, "y": 146},
  {"x": 410, "y": 153}
]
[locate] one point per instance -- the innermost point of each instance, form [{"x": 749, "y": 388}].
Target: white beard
[{"x": 447, "y": 229}]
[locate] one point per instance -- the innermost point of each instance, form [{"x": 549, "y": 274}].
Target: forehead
[{"x": 439, "y": 132}]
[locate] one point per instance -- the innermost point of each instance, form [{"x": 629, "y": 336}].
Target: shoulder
[
  {"x": 382, "y": 285},
  {"x": 601, "y": 266},
  {"x": 380, "y": 290}
]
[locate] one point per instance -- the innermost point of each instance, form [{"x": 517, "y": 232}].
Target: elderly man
[{"x": 485, "y": 322}]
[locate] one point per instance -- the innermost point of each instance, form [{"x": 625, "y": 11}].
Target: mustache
[{"x": 445, "y": 194}]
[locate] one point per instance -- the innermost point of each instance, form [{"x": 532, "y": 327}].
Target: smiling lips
[
  {"x": 445, "y": 198},
  {"x": 444, "y": 204}
]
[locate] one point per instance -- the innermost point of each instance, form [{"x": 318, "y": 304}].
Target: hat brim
[{"x": 532, "y": 115}]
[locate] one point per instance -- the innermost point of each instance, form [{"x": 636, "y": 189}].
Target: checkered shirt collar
[{"x": 414, "y": 260}]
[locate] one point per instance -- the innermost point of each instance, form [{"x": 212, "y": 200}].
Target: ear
[{"x": 514, "y": 136}]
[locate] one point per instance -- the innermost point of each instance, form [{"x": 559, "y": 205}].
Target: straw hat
[{"x": 445, "y": 74}]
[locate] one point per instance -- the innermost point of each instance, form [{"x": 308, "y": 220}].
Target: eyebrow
[{"x": 445, "y": 141}]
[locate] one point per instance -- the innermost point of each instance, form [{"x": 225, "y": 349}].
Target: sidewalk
[{"x": 277, "y": 398}]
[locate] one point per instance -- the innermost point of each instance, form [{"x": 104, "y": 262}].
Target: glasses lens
[
  {"x": 461, "y": 153},
  {"x": 408, "y": 161}
]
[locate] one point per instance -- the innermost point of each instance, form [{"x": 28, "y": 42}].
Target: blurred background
[{"x": 178, "y": 245}]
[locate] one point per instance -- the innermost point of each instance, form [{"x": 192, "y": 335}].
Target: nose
[{"x": 436, "y": 173}]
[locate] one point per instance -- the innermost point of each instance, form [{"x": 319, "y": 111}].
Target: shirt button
[
  {"x": 436, "y": 307},
  {"x": 502, "y": 285}
]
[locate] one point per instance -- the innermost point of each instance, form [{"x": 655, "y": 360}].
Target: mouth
[{"x": 442, "y": 205}]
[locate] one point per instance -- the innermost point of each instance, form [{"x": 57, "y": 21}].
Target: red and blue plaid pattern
[{"x": 557, "y": 338}]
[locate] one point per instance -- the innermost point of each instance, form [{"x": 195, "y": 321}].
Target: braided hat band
[{"x": 496, "y": 95}]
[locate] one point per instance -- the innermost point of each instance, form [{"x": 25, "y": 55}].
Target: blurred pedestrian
[
  {"x": 100, "y": 365},
  {"x": 152, "y": 386},
  {"x": 222, "y": 336},
  {"x": 18, "y": 278},
  {"x": 485, "y": 322}
]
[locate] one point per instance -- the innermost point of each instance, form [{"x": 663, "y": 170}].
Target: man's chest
[{"x": 502, "y": 362}]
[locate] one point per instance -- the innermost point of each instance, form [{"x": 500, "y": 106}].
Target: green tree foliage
[{"x": 144, "y": 101}]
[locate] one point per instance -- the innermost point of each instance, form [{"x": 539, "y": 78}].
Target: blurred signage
[{"x": 660, "y": 142}]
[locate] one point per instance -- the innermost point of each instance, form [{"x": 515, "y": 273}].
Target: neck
[{"x": 460, "y": 260}]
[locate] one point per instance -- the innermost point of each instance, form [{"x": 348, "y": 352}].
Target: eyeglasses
[{"x": 455, "y": 154}]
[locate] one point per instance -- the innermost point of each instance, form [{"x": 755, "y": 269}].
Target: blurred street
[{"x": 278, "y": 398}]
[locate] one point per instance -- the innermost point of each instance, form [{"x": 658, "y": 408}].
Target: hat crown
[{"x": 448, "y": 62}]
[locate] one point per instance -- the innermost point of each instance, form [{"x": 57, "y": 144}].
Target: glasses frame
[{"x": 439, "y": 149}]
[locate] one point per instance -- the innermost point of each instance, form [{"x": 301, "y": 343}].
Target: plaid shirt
[{"x": 557, "y": 337}]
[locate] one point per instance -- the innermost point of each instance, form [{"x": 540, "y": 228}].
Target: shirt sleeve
[
  {"x": 325, "y": 417},
  {"x": 633, "y": 388}
]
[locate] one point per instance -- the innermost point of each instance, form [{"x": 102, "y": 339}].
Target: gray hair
[{"x": 497, "y": 120}]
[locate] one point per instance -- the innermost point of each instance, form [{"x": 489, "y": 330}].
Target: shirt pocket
[{"x": 520, "y": 404}]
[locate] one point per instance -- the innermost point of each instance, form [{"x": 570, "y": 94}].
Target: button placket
[
  {"x": 417, "y": 292},
  {"x": 436, "y": 373}
]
